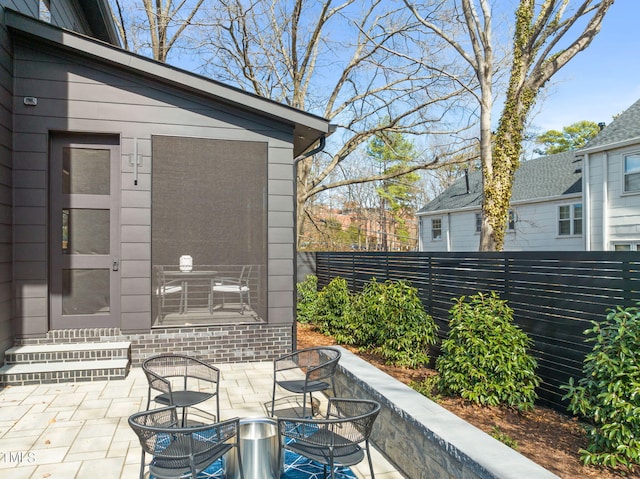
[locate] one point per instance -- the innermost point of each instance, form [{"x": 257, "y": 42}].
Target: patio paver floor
[{"x": 80, "y": 430}]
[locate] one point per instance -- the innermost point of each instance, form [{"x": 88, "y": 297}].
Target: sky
[
  {"x": 598, "y": 83},
  {"x": 602, "y": 80}
]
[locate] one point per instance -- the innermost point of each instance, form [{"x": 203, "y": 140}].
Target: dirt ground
[{"x": 545, "y": 436}]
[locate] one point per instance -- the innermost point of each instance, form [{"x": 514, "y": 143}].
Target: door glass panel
[
  {"x": 85, "y": 171},
  {"x": 85, "y": 231},
  {"x": 85, "y": 291}
]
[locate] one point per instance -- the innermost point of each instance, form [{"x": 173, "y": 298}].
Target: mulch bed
[{"x": 545, "y": 436}]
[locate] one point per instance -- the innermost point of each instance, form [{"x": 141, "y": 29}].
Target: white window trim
[
  {"x": 623, "y": 157},
  {"x": 571, "y": 220},
  {"x": 441, "y": 229},
  {"x": 511, "y": 213},
  {"x": 634, "y": 245},
  {"x": 508, "y": 230}
]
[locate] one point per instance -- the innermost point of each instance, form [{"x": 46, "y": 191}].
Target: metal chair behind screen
[
  {"x": 239, "y": 286},
  {"x": 335, "y": 441},
  {"x": 181, "y": 451},
  {"x": 318, "y": 365},
  {"x": 165, "y": 290}
]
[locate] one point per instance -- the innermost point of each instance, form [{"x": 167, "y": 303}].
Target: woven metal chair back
[{"x": 180, "y": 448}]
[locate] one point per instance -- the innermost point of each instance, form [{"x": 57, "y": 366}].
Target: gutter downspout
[
  {"x": 296, "y": 160},
  {"x": 587, "y": 203},
  {"x": 448, "y": 232},
  {"x": 605, "y": 201}
]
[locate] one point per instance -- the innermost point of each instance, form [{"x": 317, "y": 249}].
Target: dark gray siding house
[{"x": 114, "y": 167}]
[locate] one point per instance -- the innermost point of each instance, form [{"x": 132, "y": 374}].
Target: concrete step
[
  {"x": 69, "y": 362},
  {"x": 46, "y": 353}
]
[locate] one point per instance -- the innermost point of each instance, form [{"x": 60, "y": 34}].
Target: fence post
[{"x": 507, "y": 273}]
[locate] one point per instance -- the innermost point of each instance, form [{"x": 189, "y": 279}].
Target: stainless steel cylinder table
[{"x": 258, "y": 449}]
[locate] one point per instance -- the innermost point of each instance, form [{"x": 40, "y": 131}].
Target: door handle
[{"x": 116, "y": 264}]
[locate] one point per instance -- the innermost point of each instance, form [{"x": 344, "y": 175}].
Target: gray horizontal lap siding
[
  {"x": 76, "y": 95},
  {"x": 6, "y": 182}
]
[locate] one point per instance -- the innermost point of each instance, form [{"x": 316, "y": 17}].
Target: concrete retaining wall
[{"x": 422, "y": 439}]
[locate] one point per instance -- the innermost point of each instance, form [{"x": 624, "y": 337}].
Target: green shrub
[
  {"x": 485, "y": 356},
  {"x": 307, "y": 300},
  {"x": 428, "y": 387},
  {"x": 609, "y": 393},
  {"x": 333, "y": 300},
  {"x": 504, "y": 438},
  {"x": 389, "y": 319}
]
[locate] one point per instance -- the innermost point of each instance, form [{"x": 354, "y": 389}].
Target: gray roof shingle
[
  {"x": 543, "y": 177},
  {"x": 624, "y": 127}
]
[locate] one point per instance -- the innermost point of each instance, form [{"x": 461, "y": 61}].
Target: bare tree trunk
[{"x": 534, "y": 63}]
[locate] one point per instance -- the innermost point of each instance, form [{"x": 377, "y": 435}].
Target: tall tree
[
  {"x": 159, "y": 29},
  {"x": 547, "y": 36},
  {"x": 571, "y": 137},
  {"x": 336, "y": 59},
  {"x": 537, "y": 56},
  {"x": 392, "y": 151}
]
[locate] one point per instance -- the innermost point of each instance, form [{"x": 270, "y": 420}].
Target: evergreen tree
[{"x": 393, "y": 151}]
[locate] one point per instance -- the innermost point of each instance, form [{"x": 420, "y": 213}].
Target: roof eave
[
  {"x": 608, "y": 146},
  {"x": 308, "y": 128},
  {"x": 528, "y": 201}
]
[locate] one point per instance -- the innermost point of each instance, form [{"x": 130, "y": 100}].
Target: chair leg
[
  {"x": 273, "y": 398},
  {"x": 242, "y": 303},
  {"x": 280, "y": 457},
  {"x": 142, "y": 465},
  {"x": 240, "y": 462},
  {"x": 304, "y": 404},
  {"x": 369, "y": 458}
]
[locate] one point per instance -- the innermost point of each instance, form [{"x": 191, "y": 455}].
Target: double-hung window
[
  {"x": 632, "y": 173},
  {"x": 511, "y": 221},
  {"x": 570, "y": 220},
  {"x": 436, "y": 229}
]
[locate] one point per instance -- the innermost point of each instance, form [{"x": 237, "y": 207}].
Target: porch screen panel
[{"x": 209, "y": 201}]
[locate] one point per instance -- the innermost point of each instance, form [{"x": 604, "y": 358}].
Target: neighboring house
[
  {"x": 544, "y": 214},
  {"x": 587, "y": 199},
  {"x": 611, "y": 166},
  {"x": 113, "y": 165}
]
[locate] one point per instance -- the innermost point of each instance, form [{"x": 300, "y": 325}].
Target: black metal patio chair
[
  {"x": 318, "y": 366},
  {"x": 335, "y": 441},
  {"x": 181, "y": 452},
  {"x": 180, "y": 380}
]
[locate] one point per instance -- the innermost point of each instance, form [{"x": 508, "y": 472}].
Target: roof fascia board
[
  {"x": 533, "y": 201},
  {"x": 87, "y": 46},
  {"x": 608, "y": 146}
]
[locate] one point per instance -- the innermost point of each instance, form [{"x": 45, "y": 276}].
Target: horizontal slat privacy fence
[{"x": 554, "y": 295}]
